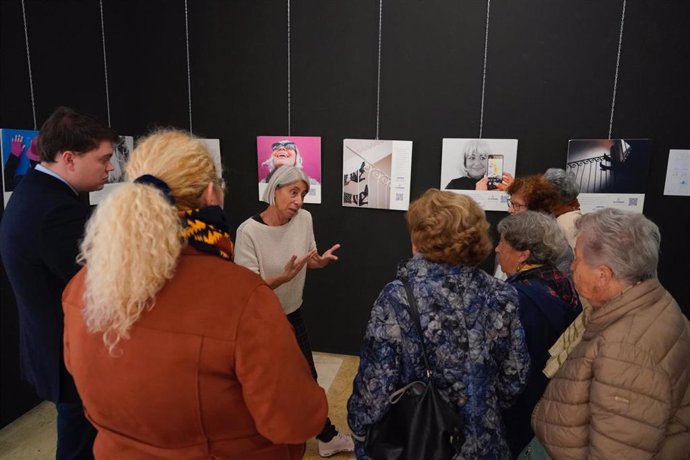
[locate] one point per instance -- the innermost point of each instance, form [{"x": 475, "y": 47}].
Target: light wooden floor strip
[
  {"x": 32, "y": 436},
  {"x": 338, "y": 393}
]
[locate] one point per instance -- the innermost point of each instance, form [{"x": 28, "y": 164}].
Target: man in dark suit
[{"x": 39, "y": 242}]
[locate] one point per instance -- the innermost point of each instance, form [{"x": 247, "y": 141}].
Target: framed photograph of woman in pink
[{"x": 301, "y": 151}]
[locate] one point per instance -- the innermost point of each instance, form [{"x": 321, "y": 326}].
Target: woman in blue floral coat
[{"x": 475, "y": 343}]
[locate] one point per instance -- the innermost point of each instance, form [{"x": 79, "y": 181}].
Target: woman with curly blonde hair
[
  {"x": 475, "y": 344},
  {"x": 175, "y": 350}
]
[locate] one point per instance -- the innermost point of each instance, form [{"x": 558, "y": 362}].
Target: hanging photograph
[
  {"x": 19, "y": 153},
  {"x": 678, "y": 173},
  {"x": 480, "y": 168},
  {"x": 376, "y": 174},
  {"x": 300, "y": 151},
  {"x": 213, "y": 147},
  {"x": 611, "y": 173},
  {"x": 121, "y": 151}
]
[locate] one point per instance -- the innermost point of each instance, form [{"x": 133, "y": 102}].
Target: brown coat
[
  {"x": 212, "y": 371},
  {"x": 624, "y": 391}
]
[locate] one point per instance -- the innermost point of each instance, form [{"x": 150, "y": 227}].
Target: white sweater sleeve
[{"x": 245, "y": 251}]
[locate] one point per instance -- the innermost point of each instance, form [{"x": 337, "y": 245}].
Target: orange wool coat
[{"x": 212, "y": 371}]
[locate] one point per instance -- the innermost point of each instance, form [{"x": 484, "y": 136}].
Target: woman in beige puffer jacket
[{"x": 624, "y": 391}]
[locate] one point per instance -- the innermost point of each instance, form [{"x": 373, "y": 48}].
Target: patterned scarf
[
  {"x": 568, "y": 340},
  {"x": 557, "y": 284},
  {"x": 207, "y": 230}
]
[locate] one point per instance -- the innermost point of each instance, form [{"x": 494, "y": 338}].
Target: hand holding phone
[{"x": 494, "y": 170}]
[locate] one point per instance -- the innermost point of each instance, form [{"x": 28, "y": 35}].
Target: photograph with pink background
[{"x": 308, "y": 148}]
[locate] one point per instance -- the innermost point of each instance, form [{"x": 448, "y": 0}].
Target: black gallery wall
[{"x": 549, "y": 78}]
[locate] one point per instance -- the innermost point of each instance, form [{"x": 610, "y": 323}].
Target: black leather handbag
[{"x": 420, "y": 423}]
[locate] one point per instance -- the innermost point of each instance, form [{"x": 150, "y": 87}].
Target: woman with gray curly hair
[
  {"x": 567, "y": 209},
  {"x": 530, "y": 247},
  {"x": 624, "y": 391}
]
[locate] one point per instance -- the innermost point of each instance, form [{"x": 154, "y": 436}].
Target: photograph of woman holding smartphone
[{"x": 482, "y": 169}]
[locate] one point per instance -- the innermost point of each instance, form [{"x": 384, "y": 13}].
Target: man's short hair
[{"x": 67, "y": 129}]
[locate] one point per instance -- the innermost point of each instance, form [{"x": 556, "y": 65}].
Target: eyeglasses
[
  {"x": 221, "y": 183},
  {"x": 283, "y": 145},
  {"x": 474, "y": 157},
  {"x": 514, "y": 205}
]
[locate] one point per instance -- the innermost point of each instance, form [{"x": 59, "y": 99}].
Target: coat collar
[
  {"x": 419, "y": 267},
  {"x": 641, "y": 295}
]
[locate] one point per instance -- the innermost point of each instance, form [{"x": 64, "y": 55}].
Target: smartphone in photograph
[{"x": 494, "y": 170}]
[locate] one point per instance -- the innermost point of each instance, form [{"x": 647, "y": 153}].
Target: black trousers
[
  {"x": 75, "y": 434},
  {"x": 297, "y": 320}
]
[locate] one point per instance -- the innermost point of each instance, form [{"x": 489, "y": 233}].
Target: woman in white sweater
[{"x": 279, "y": 245}]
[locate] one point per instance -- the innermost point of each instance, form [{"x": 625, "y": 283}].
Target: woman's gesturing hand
[
  {"x": 295, "y": 265},
  {"x": 291, "y": 269},
  {"x": 320, "y": 261}
]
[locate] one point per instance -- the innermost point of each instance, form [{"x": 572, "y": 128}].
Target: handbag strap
[{"x": 414, "y": 314}]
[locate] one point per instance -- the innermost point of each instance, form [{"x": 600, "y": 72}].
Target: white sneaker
[{"x": 339, "y": 443}]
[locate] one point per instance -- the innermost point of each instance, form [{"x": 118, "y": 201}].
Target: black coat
[
  {"x": 39, "y": 238},
  {"x": 547, "y": 307}
]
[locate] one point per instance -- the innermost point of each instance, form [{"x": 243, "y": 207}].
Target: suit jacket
[
  {"x": 39, "y": 239},
  {"x": 213, "y": 370}
]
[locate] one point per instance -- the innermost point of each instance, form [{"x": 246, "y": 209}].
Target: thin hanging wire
[
  {"x": 378, "y": 81},
  {"x": 618, "y": 61},
  {"x": 189, "y": 70},
  {"x": 289, "y": 96},
  {"x": 105, "y": 64},
  {"x": 486, "y": 48},
  {"x": 28, "y": 61}
]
